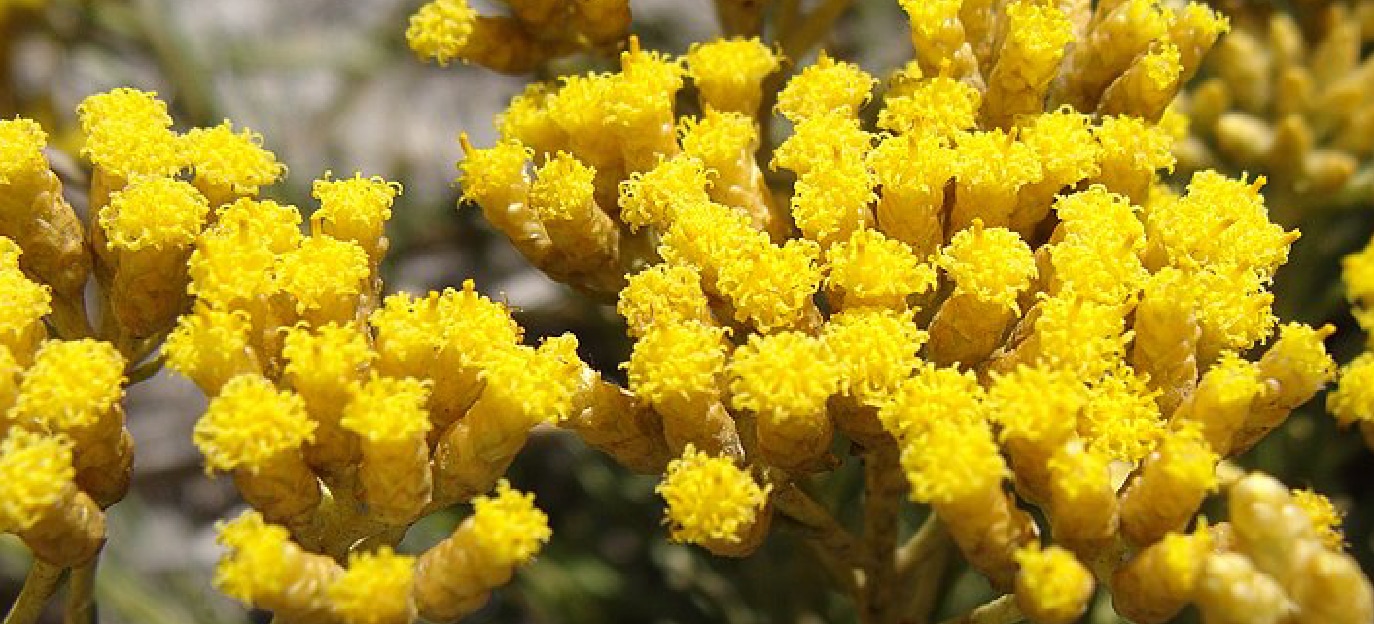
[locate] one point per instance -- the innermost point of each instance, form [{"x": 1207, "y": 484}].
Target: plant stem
[
  {"x": 81, "y": 594},
  {"x": 39, "y": 586},
  {"x": 1000, "y": 611},
  {"x": 813, "y": 28},
  {"x": 883, "y": 489},
  {"x": 821, "y": 528}
]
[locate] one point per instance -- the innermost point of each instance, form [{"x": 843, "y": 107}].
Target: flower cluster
[
  {"x": 343, "y": 415},
  {"x": 1288, "y": 93},
  {"x": 534, "y": 32},
  {"x": 992, "y": 293}
]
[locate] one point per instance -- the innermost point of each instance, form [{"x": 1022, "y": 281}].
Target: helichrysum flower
[
  {"x": 730, "y": 72},
  {"x": 440, "y": 30},
  {"x": 375, "y": 589},
  {"x": 231, "y": 163},
  {"x": 663, "y": 294},
  {"x": 710, "y": 499},
  {"x": 21, "y": 154},
  {"x": 827, "y": 87},
  {"x": 1052, "y": 585},
  {"x": 71, "y": 386},
  {"x": 870, "y": 269},
  {"x": 249, "y": 423},
  {"x": 35, "y": 475},
  {"x": 153, "y": 213},
  {"x": 128, "y": 133},
  {"x": 355, "y": 209}
]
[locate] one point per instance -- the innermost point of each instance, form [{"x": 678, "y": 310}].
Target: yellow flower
[
  {"x": 1326, "y": 518},
  {"x": 35, "y": 474},
  {"x": 992, "y": 264},
  {"x": 354, "y": 209},
  {"x": 128, "y": 133},
  {"x": 1052, "y": 586},
  {"x": 654, "y": 197},
  {"x": 730, "y": 72},
  {"x": 871, "y": 269},
  {"x": 941, "y": 106},
  {"x": 440, "y": 30},
  {"x": 710, "y": 498},
  {"x": 663, "y": 294},
  {"x": 875, "y": 350},
  {"x": 375, "y": 589},
  {"x": 153, "y": 212},
  {"x": 71, "y": 385},
  {"x": 249, "y": 423},
  {"x": 825, "y": 87},
  {"x": 387, "y": 410},
  {"x": 933, "y": 395},
  {"x": 1353, "y": 398},
  {"x": 952, "y": 460},
  {"x": 784, "y": 375},
  {"x": 509, "y": 528},
  {"x": 21, "y": 149},
  {"x": 236, "y": 161},
  {"x": 678, "y": 360}
]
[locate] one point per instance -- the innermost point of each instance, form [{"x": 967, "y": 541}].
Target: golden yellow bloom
[
  {"x": 785, "y": 374},
  {"x": 153, "y": 213},
  {"x": 786, "y": 378},
  {"x": 71, "y": 386},
  {"x": 992, "y": 264},
  {"x": 440, "y": 30},
  {"x": 1353, "y": 399},
  {"x": 229, "y": 163},
  {"x": 36, "y": 473},
  {"x": 128, "y": 133},
  {"x": 654, "y": 197},
  {"x": 355, "y": 209},
  {"x": 1232, "y": 591},
  {"x": 875, "y": 351},
  {"x": 265, "y": 569},
  {"x": 1169, "y": 487},
  {"x": 872, "y": 270},
  {"x": 710, "y": 499},
  {"x": 941, "y": 106},
  {"x": 678, "y": 361},
  {"x": 824, "y": 88},
  {"x": 1052, "y": 587},
  {"x": 453, "y": 577},
  {"x": 933, "y": 395},
  {"x": 771, "y": 287},
  {"x": 730, "y": 72},
  {"x": 913, "y": 172},
  {"x": 21, "y": 149},
  {"x": 990, "y": 169},
  {"x": 829, "y": 204},
  {"x": 1163, "y": 577},
  {"x": 1028, "y": 61},
  {"x": 663, "y": 294},
  {"x": 375, "y": 589},
  {"x": 1081, "y": 494},
  {"x": 1121, "y": 418},
  {"x": 510, "y": 527},
  {"x": 1325, "y": 517},
  {"x": 21, "y": 318},
  {"x": 953, "y": 461},
  {"x": 211, "y": 346},
  {"x": 822, "y": 141},
  {"x": 249, "y": 423},
  {"x": 324, "y": 276}
]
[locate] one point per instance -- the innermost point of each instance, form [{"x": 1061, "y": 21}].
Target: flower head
[
  {"x": 249, "y": 423},
  {"x": 710, "y": 498},
  {"x": 509, "y": 527},
  {"x": 35, "y": 473}
]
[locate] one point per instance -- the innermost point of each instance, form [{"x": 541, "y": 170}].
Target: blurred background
[{"x": 331, "y": 86}]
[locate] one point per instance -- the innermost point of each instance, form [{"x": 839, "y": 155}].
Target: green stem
[
  {"x": 1000, "y": 611},
  {"x": 39, "y": 586},
  {"x": 81, "y": 594}
]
